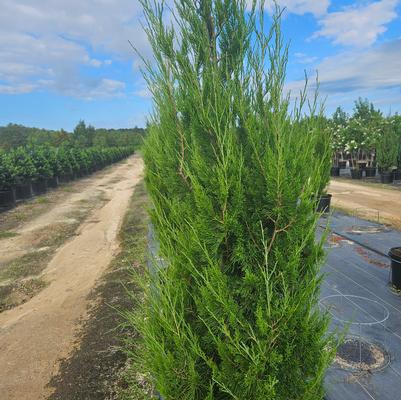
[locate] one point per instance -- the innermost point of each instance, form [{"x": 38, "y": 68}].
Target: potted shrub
[
  {"x": 75, "y": 164},
  {"x": 235, "y": 311},
  {"x": 353, "y": 134},
  {"x": 387, "y": 155},
  {"x": 325, "y": 141},
  {"x": 323, "y": 203},
  {"x": 362, "y": 134},
  {"x": 335, "y": 170},
  {"x": 22, "y": 170},
  {"x": 370, "y": 170},
  {"x": 396, "y": 126},
  {"x": 352, "y": 148},
  {"x": 335, "y": 167},
  {"x": 372, "y": 135},
  {"x": 395, "y": 256},
  {"x": 55, "y": 166},
  {"x": 372, "y": 124},
  {"x": 7, "y": 189},
  {"x": 43, "y": 169},
  {"x": 338, "y": 124},
  {"x": 66, "y": 164}
]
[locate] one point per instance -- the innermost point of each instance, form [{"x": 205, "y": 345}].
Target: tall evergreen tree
[{"x": 233, "y": 171}]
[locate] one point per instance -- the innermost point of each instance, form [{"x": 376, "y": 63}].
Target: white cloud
[
  {"x": 300, "y": 7},
  {"x": 358, "y": 25},
  {"x": 103, "y": 88},
  {"x": 366, "y": 72},
  {"x": 144, "y": 93},
  {"x": 315, "y": 7},
  {"x": 17, "y": 89},
  {"x": 103, "y": 24},
  {"x": 86, "y": 87},
  {"x": 93, "y": 62},
  {"x": 378, "y": 67},
  {"x": 303, "y": 58},
  {"x": 43, "y": 44}
]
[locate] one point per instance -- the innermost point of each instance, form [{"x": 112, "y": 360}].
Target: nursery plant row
[
  {"x": 27, "y": 171},
  {"x": 366, "y": 142}
]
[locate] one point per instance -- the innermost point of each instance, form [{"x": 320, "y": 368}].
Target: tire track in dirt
[{"x": 35, "y": 335}]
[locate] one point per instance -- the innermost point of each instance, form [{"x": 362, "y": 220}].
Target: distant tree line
[{"x": 14, "y": 135}]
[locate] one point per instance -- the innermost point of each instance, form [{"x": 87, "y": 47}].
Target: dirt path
[
  {"x": 35, "y": 335},
  {"x": 367, "y": 201}
]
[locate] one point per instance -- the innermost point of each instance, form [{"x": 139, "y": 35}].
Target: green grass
[
  {"x": 42, "y": 200},
  {"x": 7, "y": 234},
  {"x": 28, "y": 265},
  {"x": 133, "y": 238},
  {"x": 68, "y": 189}
]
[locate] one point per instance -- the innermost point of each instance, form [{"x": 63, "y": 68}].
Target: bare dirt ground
[
  {"x": 368, "y": 201},
  {"x": 37, "y": 334}
]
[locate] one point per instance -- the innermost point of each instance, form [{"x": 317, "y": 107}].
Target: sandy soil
[
  {"x": 367, "y": 201},
  {"x": 35, "y": 335}
]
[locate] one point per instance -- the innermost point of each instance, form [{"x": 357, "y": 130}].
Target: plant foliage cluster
[
  {"x": 34, "y": 163},
  {"x": 366, "y": 136},
  {"x": 233, "y": 171}
]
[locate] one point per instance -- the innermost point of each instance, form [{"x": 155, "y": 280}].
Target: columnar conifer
[{"x": 233, "y": 169}]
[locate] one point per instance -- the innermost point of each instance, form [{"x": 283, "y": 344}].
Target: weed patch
[
  {"x": 7, "y": 234},
  {"x": 17, "y": 293}
]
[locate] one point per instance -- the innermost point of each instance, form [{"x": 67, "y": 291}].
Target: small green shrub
[
  {"x": 41, "y": 161},
  {"x": 233, "y": 172},
  {"x": 20, "y": 165},
  {"x": 387, "y": 149},
  {"x": 6, "y": 177}
]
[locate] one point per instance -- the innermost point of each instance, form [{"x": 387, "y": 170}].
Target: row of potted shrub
[
  {"x": 367, "y": 145},
  {"x": 26, "y": 171},
  {"x": 386, "y": 176}
]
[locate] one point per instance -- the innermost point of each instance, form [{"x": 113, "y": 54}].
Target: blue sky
[{"x": 62, "y": 61}]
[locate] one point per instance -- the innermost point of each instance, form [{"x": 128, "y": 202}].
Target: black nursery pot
[
  {"x": 52, "y": 182},
  {"x": 397, "y": 175},
  {"x": 64, "y": 178},
  {"x": 370, "y": 172},
  {"x": 335, "y": 171},
  {"x": 23, "y": 191},
  {"x": 386, "y": 177},
  {"x": 39, "y": 187},
  {"x": 395, "y": 256},
  {"x": 323, "y": 203},
  {"x": 7, "y": 198},
  {"x": 356, "y": 173}
]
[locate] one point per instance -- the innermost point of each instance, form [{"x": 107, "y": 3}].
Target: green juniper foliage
[
  {"x": 387, "y": 149},
  {"x": 233, "y": 172}
]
